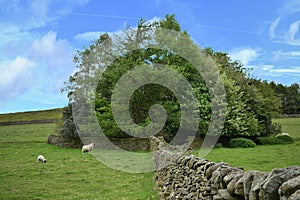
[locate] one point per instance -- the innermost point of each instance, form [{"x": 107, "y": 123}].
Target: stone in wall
[
  {"x": 275, "y": 179},
  {"x": 289, "y": 188},
  {"x": 190, "y": 177},
  {"x": 294, "y": 196}
]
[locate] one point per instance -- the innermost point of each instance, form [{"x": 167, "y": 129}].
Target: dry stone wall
[
  {"x": 191, "y": 177},
  {"x": 129, "y": 144}
]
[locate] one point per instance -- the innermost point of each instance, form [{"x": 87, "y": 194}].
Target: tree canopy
[
  {"x": 250, "y": 103},
  {"x": 289, "y": 97}
]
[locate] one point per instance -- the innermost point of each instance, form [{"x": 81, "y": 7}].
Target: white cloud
[
  {"x": 88, "y": 36},
  {"x": 287, "y": 32},
  {"x": 54, "y": 56},
  {"x": 272, "y": 71},
  {"x": 289, "y": 23},
  {"x": 94, "y": 35},
  {"x": 15, "y": 77},
  {"x": 294, "y": 53},
  {"x": 33, "y": 66},
  {"x": 293, "y": 70},
  {"x": 55, "y": 52},
  {"x": 245, "y": 55},
  {"x": 30, "y": 14},
  {"x": 49, "y": 46},
  {"x": 38, "y": 13},
  {"x": 10, "y": 33},
  {"x": 51, "y": 56},
  {"x": 283, "y": 55},
  {"x": 290, "y": 35},
  {"x": 267, "y": 67},
  {"x": 154, "y": 19},
  {"x": 286, "y": 35},
  {"x": 273, "y": 27},
  {"x": 52, "y": 60},
  {"x": 289, "y": 7}
]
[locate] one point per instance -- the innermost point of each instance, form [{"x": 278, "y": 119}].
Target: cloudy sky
[{"x": 39, "y": 37}]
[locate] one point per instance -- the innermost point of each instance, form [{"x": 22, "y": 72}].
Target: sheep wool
[
  {"x": 87, "y": 148},
  {"x": 285, "y": 134},
  {"x": 41, "y": 158}
]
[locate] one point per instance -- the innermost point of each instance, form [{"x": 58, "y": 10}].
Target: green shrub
[
  {"x": 274, "y": 140},
  {"x": 285, "y": 139},
  {"x": 275, "y": 129},
  {"x": 267, "y": 140},
  {"x": 241, "y": 143},
  {"x": 68, "y": 128},
  {"x": 218, "y": 145}
]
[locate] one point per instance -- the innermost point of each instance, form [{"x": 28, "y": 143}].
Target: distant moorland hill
[{"x": 31, "y": 117}]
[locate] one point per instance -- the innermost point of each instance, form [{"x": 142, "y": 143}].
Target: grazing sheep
[
  {"x": 88, "y": 148},
  {"x": 285, "y": 134},
  {"x": 41, "y": 158}
]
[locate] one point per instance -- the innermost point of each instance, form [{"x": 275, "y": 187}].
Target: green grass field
[
  {"x": 290, "y": 125},
  {"x": 70, "y": 175},
  {"x": 67, "y": 174},
  {"x": 264, "y": 157}
]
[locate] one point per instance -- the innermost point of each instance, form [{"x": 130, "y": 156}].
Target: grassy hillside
[
  {"x": 67, "y": 174},
  {"x": 32, "y": 115}
]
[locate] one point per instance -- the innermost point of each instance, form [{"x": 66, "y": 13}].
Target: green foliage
[
  {"x": 240, "y": 120},
  {"x": 254, "y": 97},
  {"x": 274, "y": 140},
  {"x": 285, "y": 139},
  {"x": 58, "y": 126},
  {"x": 289, "y": 97},
  {"x": 218, "y": 145},
  {"x": 268, "y": 141},
  {"x": 147, "y": 95},
  {"x": 251, "y": 103},
  {"x": 68, "y": 128},
  {"x": 170, "y": 23},
  {"x": 275, "y": 129},
  {"x": 241, "y": 143},
  {"x": 264, "y": 104}
]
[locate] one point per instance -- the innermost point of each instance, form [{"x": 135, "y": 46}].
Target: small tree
[{"x": 68, "y": 129}]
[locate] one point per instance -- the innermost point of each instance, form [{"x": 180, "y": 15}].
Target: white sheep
[
  {"x": 41, "y": 158},
  {"x": 285, "y": 134},
  {"x": 87, "y": 148}
]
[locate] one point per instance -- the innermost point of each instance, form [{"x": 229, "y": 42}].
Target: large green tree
[
  {"x": 256, "y": 97},
  {"x": 289, "y": 97},
  {"x": 250, "y": 103}
]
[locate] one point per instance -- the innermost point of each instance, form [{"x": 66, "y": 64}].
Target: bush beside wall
[
  {"x": 241, "y": 143},
  {"x": 274, "y": 140}
]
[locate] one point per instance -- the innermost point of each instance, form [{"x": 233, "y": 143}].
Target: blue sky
[{"x": 39, "y": 37}]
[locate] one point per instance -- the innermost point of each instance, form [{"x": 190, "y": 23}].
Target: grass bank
[{"x": 32, "y": 115}]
